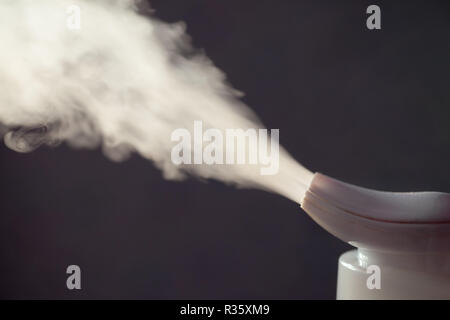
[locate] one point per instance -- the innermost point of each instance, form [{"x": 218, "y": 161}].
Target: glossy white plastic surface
[
  {"x": 402, "y": 277},
  {"x": 389, "y": 221}
]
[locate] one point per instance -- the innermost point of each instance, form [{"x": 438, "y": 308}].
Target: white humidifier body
[{"x": 402, "y": 239}]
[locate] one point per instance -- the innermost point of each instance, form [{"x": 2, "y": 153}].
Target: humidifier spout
[{"x": 391, "y": 221}]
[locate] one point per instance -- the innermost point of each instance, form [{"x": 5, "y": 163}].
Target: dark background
[{"x": 368, "y": 107}]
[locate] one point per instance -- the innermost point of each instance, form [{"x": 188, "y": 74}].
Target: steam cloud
[{"x": 123, "y": 82}]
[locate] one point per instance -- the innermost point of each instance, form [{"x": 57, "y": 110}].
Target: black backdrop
[{"x": 368, "y": 107}]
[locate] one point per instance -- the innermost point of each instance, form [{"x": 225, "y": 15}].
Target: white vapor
[{"x": 123, "y": 82}]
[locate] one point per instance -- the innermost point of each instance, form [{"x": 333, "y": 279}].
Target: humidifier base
[{"x": 374, "y": 275}]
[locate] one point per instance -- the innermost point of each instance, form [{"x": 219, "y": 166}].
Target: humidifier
[{"x": 402, "y": 240}]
